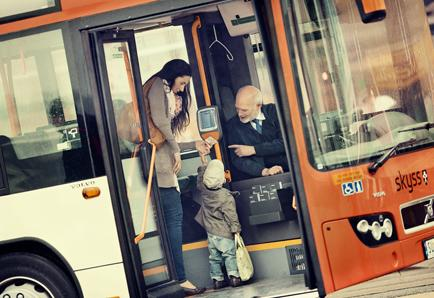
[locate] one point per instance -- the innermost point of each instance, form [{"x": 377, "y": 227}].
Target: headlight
[{"x": 370, "y": 228}]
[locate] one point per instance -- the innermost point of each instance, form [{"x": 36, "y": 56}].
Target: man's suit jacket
[{"x": 269, "y": 147}]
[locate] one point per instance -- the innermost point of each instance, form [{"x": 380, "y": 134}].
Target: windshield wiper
[
  {"x": 420, "y": 126},
  {"x": 373, "y": 167}
]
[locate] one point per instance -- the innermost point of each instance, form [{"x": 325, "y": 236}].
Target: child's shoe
[
  {"x": 234, "y": 281},
  {"x": 218, "y": 284}
]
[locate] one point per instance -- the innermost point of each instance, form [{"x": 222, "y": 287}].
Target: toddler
[{"x": 219, "y": 217}]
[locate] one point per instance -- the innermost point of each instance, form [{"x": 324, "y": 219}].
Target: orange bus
[{"x": 352, "y": 83}]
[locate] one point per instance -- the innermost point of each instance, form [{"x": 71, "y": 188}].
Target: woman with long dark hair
[{"x": 169, "y": 103}]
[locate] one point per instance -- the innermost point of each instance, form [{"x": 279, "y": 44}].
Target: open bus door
[
  {"x": 358, "y": 103},
  {"x": 270, "y": 227},
  {"x": 126, "y": 128}
]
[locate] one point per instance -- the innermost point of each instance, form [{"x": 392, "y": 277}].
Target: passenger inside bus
[
  {"x": 169, "y": 102},
  {"x": 254, "y": 137},
  {"x": 218, "y": 216}
]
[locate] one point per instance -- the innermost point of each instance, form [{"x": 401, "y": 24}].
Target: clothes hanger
[{"x": 228, "y": 53}]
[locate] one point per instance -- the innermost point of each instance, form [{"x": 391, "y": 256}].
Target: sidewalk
[{"x": 413, "y": 282}]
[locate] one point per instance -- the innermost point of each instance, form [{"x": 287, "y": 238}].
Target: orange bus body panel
[
  {"x": 297, "y": 124},
  {"x": 328, "y": 207},
  {"x": 348, "y": 262},
  {"x": 345, "y": 251},
  {"x": 71, "y": 9}
]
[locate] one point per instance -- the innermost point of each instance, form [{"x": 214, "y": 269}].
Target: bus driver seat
[{"x": 381, "y": 115}]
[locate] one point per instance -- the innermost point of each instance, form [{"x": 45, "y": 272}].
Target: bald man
[{"x": 255, "y": 140}]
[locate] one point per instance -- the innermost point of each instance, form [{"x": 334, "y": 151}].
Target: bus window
[
  {"x": 12, "y": 11},
  {"x": 262, "y": 69},
  {"x": 37, "y": 112},
  {"x": 172, "y": 45},
  {"x": 369, "y": 86}
]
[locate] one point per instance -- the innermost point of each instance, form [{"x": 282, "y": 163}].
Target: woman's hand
[
  {"x": 203, "y": 147},
  {"x": 177, "y": 163}
]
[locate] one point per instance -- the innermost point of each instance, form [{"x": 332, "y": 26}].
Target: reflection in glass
[
  {"x": 38, "y": 121},
  {"x": 365, "y": 83},
  {"x": 36, "y": 100}
]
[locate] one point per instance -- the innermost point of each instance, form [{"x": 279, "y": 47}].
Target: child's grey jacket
[{"x": 218, "y": 213}]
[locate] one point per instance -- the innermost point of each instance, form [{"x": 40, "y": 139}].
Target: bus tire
[{"x": 33, "y": 274}]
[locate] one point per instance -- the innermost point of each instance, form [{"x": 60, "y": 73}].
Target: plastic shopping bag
[{"x": 245, "y": 266}]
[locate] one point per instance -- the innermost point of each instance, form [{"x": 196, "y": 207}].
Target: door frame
[
  {"x": 284, "y": 77},
  {"x": 117, "y": 182}
]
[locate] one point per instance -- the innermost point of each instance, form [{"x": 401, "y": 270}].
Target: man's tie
[{"x": 258, "y": 125}]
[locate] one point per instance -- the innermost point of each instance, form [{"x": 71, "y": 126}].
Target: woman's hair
[{"x": 171, "y": 70}]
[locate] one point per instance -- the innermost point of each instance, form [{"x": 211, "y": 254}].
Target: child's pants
[{"x": 222, "y": 250}]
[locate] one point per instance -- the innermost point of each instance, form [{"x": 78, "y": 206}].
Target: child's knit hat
[{"x": 214, "y": 176}]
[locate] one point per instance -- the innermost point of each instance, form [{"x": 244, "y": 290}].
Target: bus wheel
[{"x": 30, "y": 275}]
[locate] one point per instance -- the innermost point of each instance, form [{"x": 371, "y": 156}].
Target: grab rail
[{"x": 141, "y": 235}]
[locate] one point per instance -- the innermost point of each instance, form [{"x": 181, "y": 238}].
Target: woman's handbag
[{"x": 244, "y": 263}]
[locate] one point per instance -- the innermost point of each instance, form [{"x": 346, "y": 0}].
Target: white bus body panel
[
  {"x": 82, "y": 231},
  {"x": 107, "y": 281}
]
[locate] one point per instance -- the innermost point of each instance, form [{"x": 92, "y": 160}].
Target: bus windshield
[{"x": 368, "y": 86}]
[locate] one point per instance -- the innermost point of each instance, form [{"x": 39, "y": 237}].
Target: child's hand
[
  {"x": 202, "y": 147},
  {"x": 211, "y": 141}
]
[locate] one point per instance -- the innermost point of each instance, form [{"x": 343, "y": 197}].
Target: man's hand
[
  {"x": 272, "y": 171},
  {"x": 177, "y": 163},
  {"x": 243, "y": 150},
  {"x": 203, "y": 147}
]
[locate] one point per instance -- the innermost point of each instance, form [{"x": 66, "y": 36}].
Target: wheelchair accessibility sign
[{"x": 351, "y": 188}]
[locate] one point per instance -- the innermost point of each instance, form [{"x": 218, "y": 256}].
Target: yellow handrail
[{"x": 141, "y": 235}]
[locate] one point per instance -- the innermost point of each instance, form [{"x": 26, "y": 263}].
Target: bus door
[
  {"x": 233, "y": 57},
  {"x": 122, "y": 100},
  {"x": 358, "y": 92}
]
